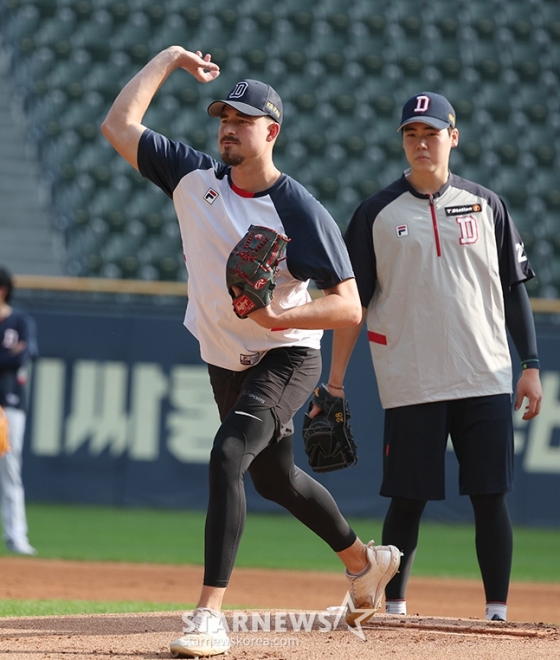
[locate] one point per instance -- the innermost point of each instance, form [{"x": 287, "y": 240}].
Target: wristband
[
  {"x": 530, "y": 364},
  {"x": 336, "y": 387}
]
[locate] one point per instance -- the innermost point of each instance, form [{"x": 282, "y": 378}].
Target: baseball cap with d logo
[
  {"x": 251, "y": 97},
  {"x": 428, "y": 108}
]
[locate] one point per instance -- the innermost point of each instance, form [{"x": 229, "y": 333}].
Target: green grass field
[{"x": 270, "y": 541}]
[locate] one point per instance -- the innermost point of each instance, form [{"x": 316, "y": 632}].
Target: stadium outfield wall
[{"x": 121, "y": 413}]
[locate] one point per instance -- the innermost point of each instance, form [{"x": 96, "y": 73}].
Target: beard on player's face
[{"x": 232, "y": 159}]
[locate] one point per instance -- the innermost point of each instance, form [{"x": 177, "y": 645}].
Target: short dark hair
[{"x": 6, "y": 280}]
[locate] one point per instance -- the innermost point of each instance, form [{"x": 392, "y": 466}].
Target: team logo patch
[
  {"x": 402, "y": 230},
  {"x": 463, "y": 210},
  {"x": 243, "y": 305},
  {"x": 249, "y": 360},
  {"x": 211, "y": 196}
]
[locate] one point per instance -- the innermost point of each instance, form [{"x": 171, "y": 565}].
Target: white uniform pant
[{"x": 14, "y": 521}]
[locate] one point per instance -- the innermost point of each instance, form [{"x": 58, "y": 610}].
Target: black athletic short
[
  {"x": 415, "y": 441},
  {"x": 282, "y": 382}
]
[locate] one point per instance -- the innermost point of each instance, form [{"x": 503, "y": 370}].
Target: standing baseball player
[
  {"x": 18, "y": 345},
  {"x": 440, "y": 269},
  {"x": 262, "y": 368}
]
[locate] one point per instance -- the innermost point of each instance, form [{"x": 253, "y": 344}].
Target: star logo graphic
[{"x": 356, "y": 615}]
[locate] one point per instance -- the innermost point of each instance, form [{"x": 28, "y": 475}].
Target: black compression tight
[
  {"x": 493, "y": 541},
  {"x": 494, "y": 544},
  {"x": 241, "y": 445},
  {"x": 400, "y": 528}
]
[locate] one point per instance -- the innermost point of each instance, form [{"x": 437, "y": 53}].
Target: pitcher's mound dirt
[{"x": 445, "y": 620}]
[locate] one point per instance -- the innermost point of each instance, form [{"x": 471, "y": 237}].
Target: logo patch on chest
[
  {"x": 463, "y": 210},
  {"x": 402, "y": 230}
]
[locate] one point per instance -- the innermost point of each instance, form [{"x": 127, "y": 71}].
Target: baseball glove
[
  {"x": 252, "y": 267},
  {"x": 327, "y": 437},
  {"x": 4, "y": 433}
]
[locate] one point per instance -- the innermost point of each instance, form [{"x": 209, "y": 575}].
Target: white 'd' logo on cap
[
  {"x": 238, "y": 90},
  {"x": 422, "y": 103}
]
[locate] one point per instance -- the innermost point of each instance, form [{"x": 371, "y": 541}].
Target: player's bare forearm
[
  {"x": 123, "y": 125},
  {"x": 339, "y": 307},
  {"x": 344, "y": 340},
  {"x": 529, "y": 386}
]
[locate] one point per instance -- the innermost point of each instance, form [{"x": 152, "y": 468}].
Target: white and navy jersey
[
  {"x": 16, "y": 328},
  {"x": 213, "y": 216},
  {"x": 431, "y": 271}
]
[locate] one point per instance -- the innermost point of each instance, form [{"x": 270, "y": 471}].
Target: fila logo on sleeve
[{"x": 211, "y": 196}]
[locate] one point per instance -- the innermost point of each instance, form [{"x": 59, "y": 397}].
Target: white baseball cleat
[
  {"x": 206, "y": 636},
  {"x": 367, "y": 590},
  {"x": 21, "y": 548}
]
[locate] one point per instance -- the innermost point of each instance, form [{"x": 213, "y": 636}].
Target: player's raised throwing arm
[{"x": 123, "y": 125}]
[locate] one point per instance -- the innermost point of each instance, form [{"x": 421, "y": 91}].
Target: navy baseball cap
[
  {"x": 251, "y": 97},
  {"x": 428, "y": 108}
]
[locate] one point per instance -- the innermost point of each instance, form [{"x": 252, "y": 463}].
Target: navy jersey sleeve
[
  {"x": 359, "y": 237},
  {"x": 165, "y": 162},
  {"x": 359, "y": 240},
  {"x": 316, "y": 250},
  {"x": 514, "y": 262}
]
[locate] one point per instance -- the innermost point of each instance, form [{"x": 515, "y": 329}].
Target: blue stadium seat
[
  {"x": 97, "y": 80},
  {"x": 95, "y": 35},
  {"x": 192, "y": 11},
  {"x": 541, "y": 145},
  {"x": 351, "y": 134},
  {"x": 46, "y": 8},
  {"x": 56, "y": 32},
  {"x": 526, "y": 60},
  {"x": 372, "y": 16},
  {"x": 411, "y": 17},
  {"x": 28, "y": 71},
  {"x": 68, "y": 75},
  {"x": 133, "y": 37},
  {"x": 550, "y": 18},
  {"x": 463, "y": 96},
  {"x": 472, "y": 142},
  {"x": 411, "y": 56},
  {"x": 533, "y": 99},
  {"x": 486, "y": 57},
  {"x": 372, "y": 54},
  {"x": 518, "y": 16},
  {"x": 446, "y": 18},
  {"x": 20, "y": 29},
  {"x": 546, "y": 185},
  {"x": 510, "y": 183},
  {"x": 480, "y": 17},
  {"x": 361, "y": 175},
  {"x": 498, "y": 100},
  {"x": 84, "y": 9},
  {"x": 446, "y": 57},
  {"x": 173, "y": 30}
]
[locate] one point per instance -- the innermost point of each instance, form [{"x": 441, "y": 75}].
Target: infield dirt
[{"x": 444, "y": 622}]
